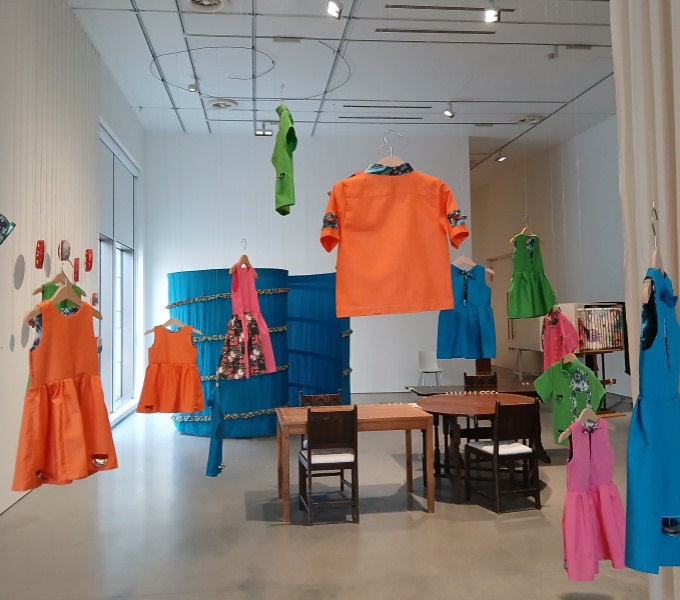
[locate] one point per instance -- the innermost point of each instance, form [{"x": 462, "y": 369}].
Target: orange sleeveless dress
[
  {"x": 171, "y": 382},
  {"x": 65, "y": 432}
]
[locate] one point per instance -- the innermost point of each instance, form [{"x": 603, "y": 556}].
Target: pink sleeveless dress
[
  {"x": 247, "y": 349},
  {"x": 593, "y": 522}
]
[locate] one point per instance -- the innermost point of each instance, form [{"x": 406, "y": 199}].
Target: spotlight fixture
[
  {"x": 335, "y": 9},
  {"x": 555, "y": 53},
  {"x": 449, "y": 112},
  {"x": 264, "y": 132},
  {"x": 193, "y": 86},
  {"x": 492, "y": 15},
  {"x": 501, "y": 157}
]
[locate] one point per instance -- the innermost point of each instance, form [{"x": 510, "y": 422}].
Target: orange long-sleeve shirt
[{"x": 392, "y": 234}]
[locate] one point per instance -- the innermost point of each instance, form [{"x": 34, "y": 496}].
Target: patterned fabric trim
[
  {"x": 225, "y": 296},
  {"x": 346, "y": 372},
  {"x": 456, "y": 218},
  {"x": 187, "y": 418},
  {"x": 330, "y": 221},
  {"x": 378, "y": 169},
  {"x": 253, "y": 413},
  {"x": 346, "y": 333},
  {"x": 221, "y": 337},
  {"x": 215, "y": 378}
]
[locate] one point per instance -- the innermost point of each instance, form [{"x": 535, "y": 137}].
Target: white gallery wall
[
  {"x": 55, "y": 91},
  {"x": 48, "y": 169},
  {"x": 204, "y": 193},
  {"x": 571, "y": 193}
]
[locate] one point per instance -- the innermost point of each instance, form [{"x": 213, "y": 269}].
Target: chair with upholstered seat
[
  {"x": 307, "y": 400},
  {"x": 516, "y": 431},
  {"x": 428, "y": 365},
  {"x": 332, "y": 445}
]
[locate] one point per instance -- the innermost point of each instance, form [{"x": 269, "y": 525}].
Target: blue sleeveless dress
[
  {"x": 467, "y": 330},
  {"x": 653, "y": 505}
]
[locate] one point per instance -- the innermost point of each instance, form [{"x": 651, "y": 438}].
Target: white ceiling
[{"x": 493, "y": 75}]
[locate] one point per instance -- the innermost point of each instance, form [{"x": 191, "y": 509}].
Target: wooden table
[
  {"x": 370, "y": 417},
  {"x": 523, "y": 388},
  {"x": 452, "y": 406}
]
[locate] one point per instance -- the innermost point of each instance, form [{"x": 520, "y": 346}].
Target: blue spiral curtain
[
  {"x": 198, "y": 298},
  {"x": 311, "y": 350},
  {"x": 318, "y": 342}
]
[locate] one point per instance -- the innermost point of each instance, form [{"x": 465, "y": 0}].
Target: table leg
[
  {"x": 409, "y": 461},
  {"x": 437, "y": 453},
  {"x": 429, "y": 473},
  {"x": 446, "y": 426},
  {"x": 457, "y": 461},
  {"x": 279, "y": 460},
  {"x": 285, "y": 475}
]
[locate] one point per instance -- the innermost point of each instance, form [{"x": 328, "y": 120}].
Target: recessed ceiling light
[
  {"x": 223, "y": 103},
  {"x": 449, "y": 111},
  {"x": 335, "y": 9},
  {"x": 206, "y": 5},
  {"x": 529, "y": 120}
]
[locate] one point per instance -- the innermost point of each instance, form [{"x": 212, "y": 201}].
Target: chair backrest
[
  {"x": 517, "y": 422},
  {"x": 332, "y": 428},
  {"x": 427, "y": 361},
  {"x": 321, "y": 399},
  {"x": 480, "y": 380}
]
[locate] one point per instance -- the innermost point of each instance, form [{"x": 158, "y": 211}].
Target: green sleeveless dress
[{"x": 530, "y": 294}]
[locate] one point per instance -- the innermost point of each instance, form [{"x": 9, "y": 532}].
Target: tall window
[{"x": 116, "y": 272}]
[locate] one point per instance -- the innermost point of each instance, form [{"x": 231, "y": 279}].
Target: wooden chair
[
  {"x": 512, "y": 423},
  {"x": 332, "y": 445},
  {"x": 486, "y": 381},
  {"x": 480, "y": 380},
  {"x": 321, "y": 399}
]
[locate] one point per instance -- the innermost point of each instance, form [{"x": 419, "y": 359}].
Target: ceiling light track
[
  {"x": 574, "y": 99},
  {"x": 191, "y": 58},
  {"x": 338, "y": 53},
  {"x": 154, "y": 57},
  {"x": 434, "y": 31}
]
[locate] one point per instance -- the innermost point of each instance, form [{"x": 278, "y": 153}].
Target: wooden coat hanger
[
  {"x": 464, "y": 260},
  {"x": 525, "y": 231},
  {"x": 178, "y": 323},
  {"x": 587, "y": 415},
  {"x": 569, "y": 358},
  {"x": 389, "y": 160},
  {"x": 65, "y": 292},
  {"x": 59, "y": 279},
  {"x": 243, "y": 261}
]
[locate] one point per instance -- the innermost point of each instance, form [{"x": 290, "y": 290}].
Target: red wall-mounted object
[
  {"x": 76, "y": 270},
  {"x": 89, "y": 256},
  {"x": 40, "y": 254}
]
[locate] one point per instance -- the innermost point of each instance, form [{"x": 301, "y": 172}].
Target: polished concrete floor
[{"x": 158, "y": 529}]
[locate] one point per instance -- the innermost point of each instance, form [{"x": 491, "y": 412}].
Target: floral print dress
[{"x": 247, "y": 349}]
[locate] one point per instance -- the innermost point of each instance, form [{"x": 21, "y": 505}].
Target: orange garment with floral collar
[{"x": 393, "y": 235}]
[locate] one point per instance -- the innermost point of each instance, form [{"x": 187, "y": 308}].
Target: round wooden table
[{"x": 452, "y": 406}]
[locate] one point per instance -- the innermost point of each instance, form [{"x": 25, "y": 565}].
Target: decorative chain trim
[
  {"x": 346, "y": 372},
  {"x": 217, "y": 337},
  {"x": 187, "y": 418},
  {"x": 253, "y": 413},
  {"x": 215, "y": 378},
  {"x": 225, "y": 296},
  {"x": 346, "y": 333}
]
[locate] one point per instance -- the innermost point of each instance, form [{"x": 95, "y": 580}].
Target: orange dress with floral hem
[
  {"x": 65, "y": 432},
  {"x": 172, "y": 383},
  {"x": 393, "y": 234}
]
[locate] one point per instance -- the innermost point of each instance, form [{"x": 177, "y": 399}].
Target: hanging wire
[
  {"x": 654, "y": 216},
  {"x": 386, "y": 143}
]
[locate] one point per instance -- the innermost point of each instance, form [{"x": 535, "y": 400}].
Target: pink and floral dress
[{"x": 247, "y": 348}]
